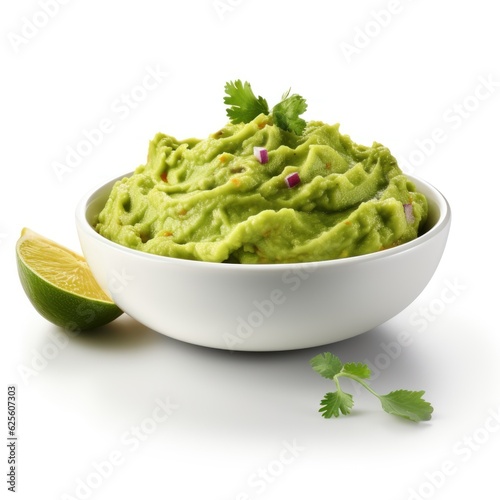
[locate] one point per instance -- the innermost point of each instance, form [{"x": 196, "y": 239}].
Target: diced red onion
[
  {"x": 410, "y": 218},
  {"x": 292, "y": 179},
  {"x": 261, "y": 154}
]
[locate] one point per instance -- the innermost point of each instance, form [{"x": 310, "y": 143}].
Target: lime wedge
[{"x": 60, "y": 285}]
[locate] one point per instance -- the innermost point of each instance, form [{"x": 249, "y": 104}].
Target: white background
[{"x": 418, "y": 75}]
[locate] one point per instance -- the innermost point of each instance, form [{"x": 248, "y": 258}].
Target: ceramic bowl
[{"x": 264, "y": 307}]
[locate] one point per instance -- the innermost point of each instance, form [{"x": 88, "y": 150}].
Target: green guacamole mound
[{"x": 212, "y": 200}]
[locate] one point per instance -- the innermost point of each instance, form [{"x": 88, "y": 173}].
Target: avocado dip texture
[{"x": 216, "y": 200}]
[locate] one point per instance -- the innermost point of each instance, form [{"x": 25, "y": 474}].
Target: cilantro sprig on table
[
  {"x": 245, "y": 106},
  {"x": 402, "y": 403}
]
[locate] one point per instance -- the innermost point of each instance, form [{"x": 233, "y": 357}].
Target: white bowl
[{"x": 264, "y": 307}]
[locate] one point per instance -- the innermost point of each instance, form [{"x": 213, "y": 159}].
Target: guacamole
[{"x": 294, "y": 198}]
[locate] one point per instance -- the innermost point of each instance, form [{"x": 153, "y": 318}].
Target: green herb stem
[
  {"x": 359, "y": 381},
  {"x": 402, "y": 403}
]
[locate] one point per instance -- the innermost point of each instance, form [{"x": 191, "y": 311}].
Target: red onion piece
[
  {"x": 292, "y": 179},
  {"x": 261, "y": 154},
  {"x": 410, "y": 218}
]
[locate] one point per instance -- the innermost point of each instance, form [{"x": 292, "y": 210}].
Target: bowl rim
[{"x": 440, "y": 225}]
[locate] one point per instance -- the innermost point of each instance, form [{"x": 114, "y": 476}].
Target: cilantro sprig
[
  {"x": 245, "y": 106},
  {"x": 286, "y": 113},
  {"x": 402, "y": 403}
]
